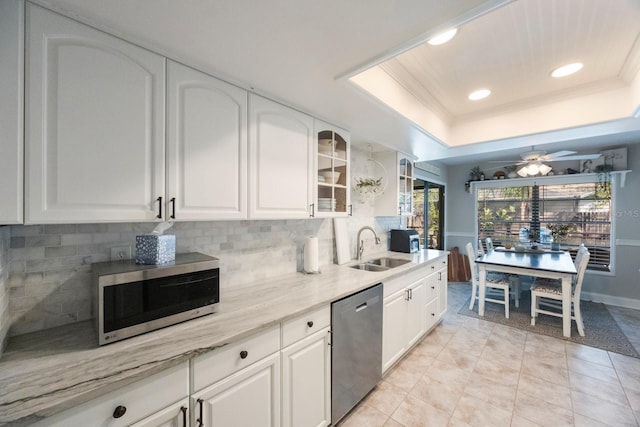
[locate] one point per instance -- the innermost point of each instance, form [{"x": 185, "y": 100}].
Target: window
[{"x": 577, "y": 213}]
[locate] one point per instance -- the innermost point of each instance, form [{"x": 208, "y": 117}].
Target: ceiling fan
[{"x": 532, "y": 161}]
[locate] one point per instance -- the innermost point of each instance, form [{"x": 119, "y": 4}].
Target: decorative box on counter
[{"x": 155, "y": 249}]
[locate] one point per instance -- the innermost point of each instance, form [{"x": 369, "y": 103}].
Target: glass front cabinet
[
  {"x": 397, "y": 198},
  {"x": 332, "y": 166},
  {"x": 405, "y": 186}
]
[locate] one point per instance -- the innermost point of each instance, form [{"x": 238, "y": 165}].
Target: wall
[
  {"x": 50, "y": 265},
  {"x": 619, "y": 289},
  {"x": 4, "y": 293}
]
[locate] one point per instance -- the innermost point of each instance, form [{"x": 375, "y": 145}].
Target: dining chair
[
  {"x": 489, "y": 244},
  {"x": 514, "y": 279},
  {"x": 494, "y": 288},
  {"x": 549, "y": 293},
  {"x": 480, "y": 248}
]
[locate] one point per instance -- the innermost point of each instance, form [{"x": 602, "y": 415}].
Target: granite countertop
[{"x": 46, "y": 372}]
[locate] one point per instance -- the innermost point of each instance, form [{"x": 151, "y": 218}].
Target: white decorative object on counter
[
  {"x": 311, "y": 255},
  {"x": 155, "y": 249}
]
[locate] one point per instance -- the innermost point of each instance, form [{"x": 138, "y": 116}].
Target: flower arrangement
[
  {"x": 560, "y": 231},
  {"x": 369, "y": 188}
]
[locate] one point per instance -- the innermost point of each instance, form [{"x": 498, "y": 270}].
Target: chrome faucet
[{"x": 361, "y": 242}]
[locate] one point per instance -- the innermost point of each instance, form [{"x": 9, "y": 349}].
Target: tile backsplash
[{"x": 50, "y": 285}]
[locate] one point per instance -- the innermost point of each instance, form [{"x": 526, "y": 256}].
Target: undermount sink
[
  {"x": 388, "y": 262},
  {"x": 380, "y": 264},
  {"x": 369, "y": 267}
]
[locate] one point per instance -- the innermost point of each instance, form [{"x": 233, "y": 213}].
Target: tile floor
[{"x": 470, "y": 372}]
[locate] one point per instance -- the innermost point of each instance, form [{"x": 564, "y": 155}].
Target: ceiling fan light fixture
[
  {"x": 479, "y": 94},
  {"x": 443, "y": 37},
  {"x": 533, "y": 169},
  {"x": 567, "y": 70},
  {"x": 523, "y": 171},
  {"x": 545, "y": 169}
]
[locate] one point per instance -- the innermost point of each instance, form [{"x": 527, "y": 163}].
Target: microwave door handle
[{"x": 203, "y": 279}]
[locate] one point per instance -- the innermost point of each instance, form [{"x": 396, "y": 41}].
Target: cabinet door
[
  {"x": 394, "y": 338},
  {"x": 176, "y": 415},
  {"x": 280, "y": 160},
  {"x": 11, "y": 111},
  {"x": 415, "y": 324},
  {"x": 94, "y": 124},
  {"x": 306, "y": 382},
  {"x": 442, "y": 291},
  {"x": 206, "y": 146},
  {"x": 250, "y": 397}
]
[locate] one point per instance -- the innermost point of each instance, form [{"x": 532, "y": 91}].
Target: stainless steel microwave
[{"x": 131, "y": 299}]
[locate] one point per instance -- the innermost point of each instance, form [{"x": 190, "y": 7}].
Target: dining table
[{"x": 537, "y": 263}]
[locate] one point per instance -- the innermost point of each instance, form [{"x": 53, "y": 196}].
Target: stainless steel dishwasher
[{"x": 356, "y": 352}]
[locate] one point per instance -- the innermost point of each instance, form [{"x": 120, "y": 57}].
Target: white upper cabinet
[
  {"x": 280, "y": 161},
  {"x": 11, "y": 111},
  {"x": 332, "y": 195},
  {"x": 206, "y": 147},
  {"x": 397, "y": 199},
  {"x": 94, "y": 124}
]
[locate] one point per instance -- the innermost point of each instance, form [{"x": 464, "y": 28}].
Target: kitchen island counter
[{"x": 46, "y": 372}]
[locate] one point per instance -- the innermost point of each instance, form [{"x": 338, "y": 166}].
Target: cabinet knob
[
  {"x": 433, "y": 287},
  {"x": 119, "y": 411},
  {"x": 310, "y": 323},
  {"x": 244, "y": 354}
]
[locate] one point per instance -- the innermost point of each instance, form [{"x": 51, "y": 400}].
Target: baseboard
[{"x": 611, "y": 300}]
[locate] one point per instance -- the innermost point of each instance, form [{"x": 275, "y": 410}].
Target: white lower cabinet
[
  {"x": 404, "y": 322},
  {"x": 413, "y": 304},
  {"x": 143, "y": 403},
  {"x": 306, "y": 370},
  {"x": 281, "y": 376},
  {"x": 250, "y": 397}
]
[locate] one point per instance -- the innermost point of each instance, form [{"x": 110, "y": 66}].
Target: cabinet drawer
[
  {"x": 305, "y": 325},
  {"x": 432, "y": 287},
  {"x": 226, "y": 360},
  {"x": 140, "y": 399},
  {"x": 398, "y": 283},
  {"x": 432, "y": 313}
]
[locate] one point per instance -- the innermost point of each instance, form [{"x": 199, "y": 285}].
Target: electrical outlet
[{"x": 119, "y": 253}]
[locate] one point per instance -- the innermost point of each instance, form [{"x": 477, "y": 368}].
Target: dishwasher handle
[{"x": 361, "y": 306}]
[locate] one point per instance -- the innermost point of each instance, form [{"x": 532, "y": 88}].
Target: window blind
[{"x": 580, "y": 212}]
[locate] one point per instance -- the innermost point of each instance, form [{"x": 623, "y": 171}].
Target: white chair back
[
  {"x": 480, "y": 248},
  {"x": 472, "y": 264},
  {"x": 582, "y": 267},
  {"x": 581, "y": 250},
  {"x": 489, "y": 244}
]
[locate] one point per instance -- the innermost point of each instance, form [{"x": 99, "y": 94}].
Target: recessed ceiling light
[
  {"x": 566, "y": 70},
  {"x": 479, "y": 94},
  {"x": 442, "y": 37}
]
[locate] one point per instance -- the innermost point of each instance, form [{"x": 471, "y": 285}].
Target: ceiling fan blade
[
  {"x": 557, "y": 154},
  {"x": 509, "y": 162},
  {"x": 578, "y": 157}
]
